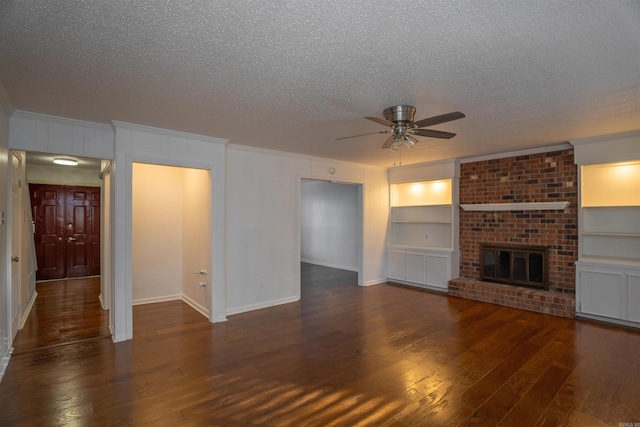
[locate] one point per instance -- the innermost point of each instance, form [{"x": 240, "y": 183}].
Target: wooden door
[
  {"x": 48, "y": 205},
  {"x": 67, "y": 230},
  {"x": 83, "y": 231}
]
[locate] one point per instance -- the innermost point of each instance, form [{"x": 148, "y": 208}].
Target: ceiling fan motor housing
[{"x": 400, "y": 114}]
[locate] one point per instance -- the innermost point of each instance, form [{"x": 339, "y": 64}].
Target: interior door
[
  {"x": 16, "y": 233},
  {"x": 83, "y": 231},
  {"x": 48, "y": 205}
]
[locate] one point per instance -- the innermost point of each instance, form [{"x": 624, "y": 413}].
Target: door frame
[
  {"x": 216, "y": 289},
  {"x": 15, "y": 249},
  {"x": 360, "y": 203}
]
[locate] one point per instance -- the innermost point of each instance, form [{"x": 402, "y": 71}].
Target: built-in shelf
[{"x": 525, "y": 206}]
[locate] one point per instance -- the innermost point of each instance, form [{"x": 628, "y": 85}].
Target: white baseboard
[
  {"x": 327, "y": 264},
  {"x": 152, "y": 300},
  {"x": 4, "y": 363},
  {"x": 197, "y": 307},
  {"x": 374, "y": 282},
  {"x": 193, "y": 304},
  {"x": 258, "y": 306},
  {"x": 25, "y": 314}
]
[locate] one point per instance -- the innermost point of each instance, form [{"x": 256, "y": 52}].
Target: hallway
[{"x": 66, "y": 311}]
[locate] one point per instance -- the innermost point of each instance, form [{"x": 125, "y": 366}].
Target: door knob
[
  {"x": 15, "y": 259},
  {"x": 71, "y": 239}
]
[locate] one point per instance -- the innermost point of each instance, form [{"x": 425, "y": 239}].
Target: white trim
[
  {"x": 527, "y": 206},
  {"x": 606, "y": 138},
  {"x": 438, "y": 289},
  {"x": 169, "y": 132},
  {"x": 25, "y": 314},
  {"x": 537, "y": 150},
  {"x": 327, "y": 264},
  {"x": 603, "y": 319},
  {"x": 197, "y": 307},
  {"x": 264, "y": 304},
  {"x": 59, "y": 120},
  {"x": 5, "y": 364},
  {"x": 153, "y": 300},
  {"x": 379, "y": 281}
]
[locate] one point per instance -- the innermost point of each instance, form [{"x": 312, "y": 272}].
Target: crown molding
[{"x": 168, "y": 132}]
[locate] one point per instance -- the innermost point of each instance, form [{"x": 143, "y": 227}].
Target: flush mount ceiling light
[{"x": 65, "y": 162}]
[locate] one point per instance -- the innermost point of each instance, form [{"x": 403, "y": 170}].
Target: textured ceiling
[{"x": 295, "y": 75}]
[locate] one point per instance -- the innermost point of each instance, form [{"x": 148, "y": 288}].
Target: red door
[
  {"x": 83, "y": 231},
  {"x": 67, "y": 230},
  {"x": 48, "y": 205}
]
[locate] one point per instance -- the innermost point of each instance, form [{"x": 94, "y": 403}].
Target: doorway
[
  {"x": 38, "y": 168},
  {"x": 171, "y": 235},
  {"x": 330, "y": 234},
  {"x": 67, "y": 230}
]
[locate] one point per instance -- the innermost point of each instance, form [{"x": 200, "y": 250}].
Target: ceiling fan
[{"x": 400, "y": 119}]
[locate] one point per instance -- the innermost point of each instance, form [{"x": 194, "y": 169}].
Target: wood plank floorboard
[{"x": 344, "y": 355}]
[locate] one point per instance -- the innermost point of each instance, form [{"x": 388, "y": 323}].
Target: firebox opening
[{"x": 517, "y": 265}]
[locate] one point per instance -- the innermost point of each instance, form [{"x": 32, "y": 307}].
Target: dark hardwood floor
[
  {"x": 343, "y": 355},
  {"x": 66, "y": 311}
]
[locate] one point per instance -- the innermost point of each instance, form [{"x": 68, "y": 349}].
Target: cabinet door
[
  {"x": 633, "y": 301},
  {"x": 416, "y": 268},
  {"x": 438, "y": 271},
  {"x": 602, "y": 293},
  {"x": 395, "y": 267}
]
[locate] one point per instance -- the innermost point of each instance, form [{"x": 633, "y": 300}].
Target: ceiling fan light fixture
[{"x": 410, "y": 141}]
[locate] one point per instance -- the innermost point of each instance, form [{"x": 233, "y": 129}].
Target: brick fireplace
[{"x": 542, "y": 177}]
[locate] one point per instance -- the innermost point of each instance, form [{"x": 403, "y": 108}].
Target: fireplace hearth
[{"x": 517, "y": 265}]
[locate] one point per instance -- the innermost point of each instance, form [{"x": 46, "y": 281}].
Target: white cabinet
[
  {"x": 605, "y": 291},
  {"x": 428, "y": 269},
  {"x": 608, "y": 266},
  {"x": 423, "y": 248}
]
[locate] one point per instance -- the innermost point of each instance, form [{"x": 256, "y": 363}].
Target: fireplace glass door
[{"x": 514, "y": 265}]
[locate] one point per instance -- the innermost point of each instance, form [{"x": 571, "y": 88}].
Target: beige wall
[
  {"x": 63, "y": 175},
  {"x": 170, "y": 233}
]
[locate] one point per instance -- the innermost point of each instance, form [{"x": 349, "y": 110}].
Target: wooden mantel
[{"x": 525, "y": 206}]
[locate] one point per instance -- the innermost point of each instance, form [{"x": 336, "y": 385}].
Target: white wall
[
  {"x": 329, "y": 224},
  {"x": 5, "y": 278},
  {"x": 262, "y": 207}
]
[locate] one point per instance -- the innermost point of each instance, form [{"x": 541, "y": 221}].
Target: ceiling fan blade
[
  {"x": 380, "y": 121},
  {"x": 432, "y": 133},
  {"x": 363, "y": 134},
  {"x": 387, "y": 143},
  {"x": 436, "y": 120}
]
